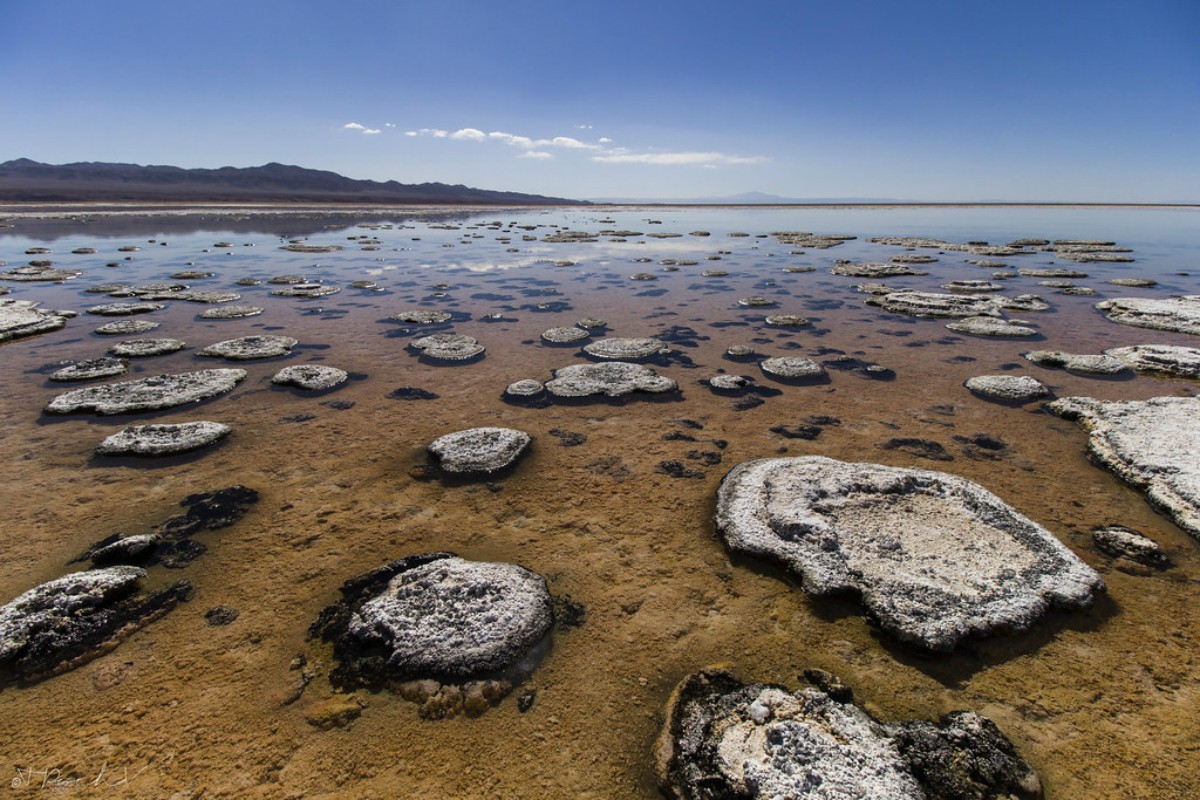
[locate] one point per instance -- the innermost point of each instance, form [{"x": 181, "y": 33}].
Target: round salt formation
[
  {"x": 163, "y": 440},
  {"x": 610, "y": 379},
  {"x": 756, "y": 302},
  {"x": 448, "y": 347},
  {"x": 124, "y": 309},
  {"x": 624, "y": 349},
  {"x": 1177, "y": 362},
  {"x": 1086, "y": 364},
  {"x": 792, "y": 368},
  {"x": 934, "y": 557},
  {"x": 312, "y": 377},
  {"x": 1018, "y": 389},
  {"x": 726, "y": 739},
  {"x": 90, "y": 369},
  {"x": 306, "y": 290},
  {"x": 231, "y": 312},
  {"x": 449, "y": 617},
  {"x": 479, "y": 450},
  {"x": 248, "y": 348},
  {"x": 990, "y": 326},
  {"x": 144, "y": 348},
  {"x": 565, "y": 335},
  {"x": 422, "y": 316},
  {"x": 526, "y": 389},
  {"x": 147, "y": 394},
  {"x": 127, "y": 327},
  {"x": 1178, "y": 314},
  {"x": 787, "y": 321}
]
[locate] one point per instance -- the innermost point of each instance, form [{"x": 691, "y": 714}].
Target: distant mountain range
[{"x": 24, "y": 180}]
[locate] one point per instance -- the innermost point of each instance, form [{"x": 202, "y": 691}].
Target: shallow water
[{"x": 1102, "y": 702}]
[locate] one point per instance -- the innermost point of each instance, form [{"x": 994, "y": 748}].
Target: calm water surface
[{"x": 1102, "y": 702}]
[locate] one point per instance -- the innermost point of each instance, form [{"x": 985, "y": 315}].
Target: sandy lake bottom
[{"x": 1102, "y": 702}]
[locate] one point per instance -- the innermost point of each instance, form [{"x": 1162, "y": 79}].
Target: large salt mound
[
  {"x": 935, "y": 557},
  {"x": 1153, "y": 445}
]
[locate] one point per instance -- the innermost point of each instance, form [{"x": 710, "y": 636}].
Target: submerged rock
[
  {"x": 565, "y": 335},
  {"x": 624, "y": 349},
  {"x": 724, "y": 739},
  {"x": 312, "y": 377},
  {"x": 306, "y": 290},
  {"x": 163, "y": 440},
  {"x": 935, "y": 558},
  {"x": 248, "y": 348},
  {"x": 876, "y": 270},
  {"x": 1178, "y": 314},
  {"x": 448, "y": 347},
  {"x": 1149, "y": 444},
  {"x": 1103, "y": 364},
  {"x": 1018, "y": 389},
  {"x": 482, "y": 450},
  {"x": 435, "y": 616},
  {"x": 524, "y": 390},
  {"x": 610, "y": 379},
  {"x": 792, "y": 368},
  {"x": 1121, "y": 542},
  {"x": 1170, "y": 360},
  {"x": 147, "y": 394},
  {"x": 19, "y": 318},
  {"x": 66, "y": 622},
  {"x": 991, "y": 326},
  {"x": 124, "y": 309},
  {"x": 90, "y": 369},
  {"x": 127, "y": 327},
  {"x": 423, "y": 316},
  {"x": 212, "y": 296},
  {"x": 231, "y": 312},
  {"x": 144, "y": 348}
]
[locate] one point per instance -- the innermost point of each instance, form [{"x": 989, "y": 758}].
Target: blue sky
[{"x": 964, "y": 100}]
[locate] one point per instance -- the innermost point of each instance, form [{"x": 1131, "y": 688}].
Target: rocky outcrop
[
  {"x": 1012, "y": 389},
  {"x": 1168, "y": 360},
  {"x": 249, "y": 348},
  {"x": 163, "y": 440},
  {"x": 479, "y": 450},
  {"x": 610, "y": 379},
  {"x": 20, "y": 318},
  {"x": 147, "y": 394},
  {"x": 1178, "y": 314},
  {"x": 934, "y": 557},
  {"x": 1150, "y": 444},
  {"x": 724, "y": 739}
]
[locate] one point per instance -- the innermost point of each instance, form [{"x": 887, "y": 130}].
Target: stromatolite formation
[
  {"x": 90, "y": 369},
  {"x": 147, "y": 394},
  {"x": 1178, "y": 314},
  {"x": 312, "y": 377},
  {"x": 610, "y": 379},
  {"x": 1169, "y": 360},
  {"x": 624, "y": 349},
  {"x": 934, "y": 557},
  {"x": 479, "y": 450},
  {"x": 248, "y": 348},
  {"x": 163, "y": 440},
  {"x": 725, "y": 739},
  {"x": 1150, "y": 444},
  {"x": 1102, "y": 364},
  {"x": 1014, "y": 389},
  {"x": 19, "y": 318}
]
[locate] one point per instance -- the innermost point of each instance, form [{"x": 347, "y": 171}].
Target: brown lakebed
[{"x": 1101, "y": 702}]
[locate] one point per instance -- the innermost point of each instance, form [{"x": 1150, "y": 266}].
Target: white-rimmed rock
[
  {"x": 231, "y": 312},
  {"x": 124, "y": 309},
  {"x": 248, "y": 348},
  {"x": 1007, "y": 388},
  {"x": 448, "y": 347},
  {"x": 163, "y": 440},
  {"x": 1102, "y": 364},
  {"x": 144, "y": 348},
  {"x": 19, "y": 318},
  {"x": 934, "y": 557},
  {"x": 610, "y": 379},
  {"x": 619, "y": 348},
  {"x": 990, "y": 326},
  {"x": 792, "y": 368},
  {"x": 453, "y": 618},
  {"x": 127, "y": 327},
  {"x": 312, "y": 377},
  {"x": 147, "y": 394},
  {"x": 1178, "y": 314},
  {"x": 480, "y": 450},
  {"x": 1149, "y": 444},
  {"x": 90, "y": 369},
  {"x": 1165, "y": 359}
]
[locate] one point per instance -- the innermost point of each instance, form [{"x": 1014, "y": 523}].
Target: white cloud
[
  {"x": 474, "y": 134},
  {"x": 571, "y": 144},
  {"x": 508, "y": 138},
  {"x": 389, "y": 124},
  {"x": 539, "y": 154},
  {"x": 354, "y": 126},
  {"x": 372, "y": 130},
  {"x": 583, "y": 127},
  {"x": 694, "y": 159},
  {"x": 436, "y": 133},
  {"x": 604, "y": 140}
]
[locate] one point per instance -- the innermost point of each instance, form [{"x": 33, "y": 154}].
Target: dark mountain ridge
[{"x": 25, "y": 180}]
